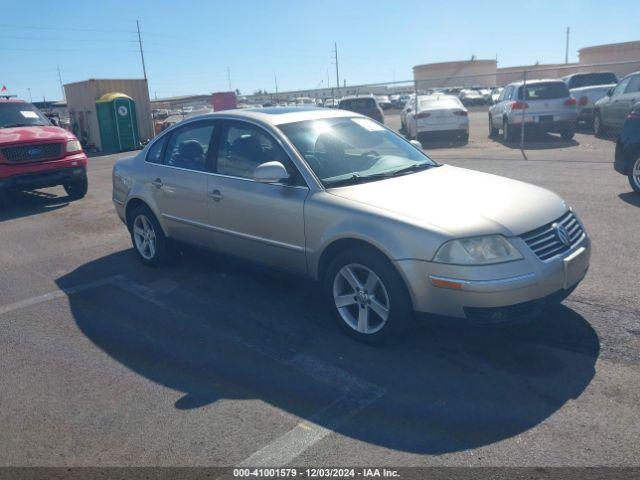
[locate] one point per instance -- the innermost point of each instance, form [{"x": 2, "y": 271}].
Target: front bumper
[
  {"x": 44, "y": 179},
  {"x": 502, "y": 288}
]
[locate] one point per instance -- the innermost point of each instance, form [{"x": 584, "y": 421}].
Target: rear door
[
  {"x": 178, "y": 182},
  {"x": 258, "y": 221},
  {"x": 624, "y": 102},
  {"x": 613, "y": 109}
]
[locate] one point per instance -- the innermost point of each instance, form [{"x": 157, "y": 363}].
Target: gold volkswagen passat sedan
[{"x": 336, "y": 196}]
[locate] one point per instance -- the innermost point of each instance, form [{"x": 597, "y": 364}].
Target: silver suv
[
  {"x": 335, "y": 196},
  {"x": 545, "y": 106}
]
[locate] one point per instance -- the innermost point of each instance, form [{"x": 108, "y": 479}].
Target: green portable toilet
[{"x": 117, "y": 122}]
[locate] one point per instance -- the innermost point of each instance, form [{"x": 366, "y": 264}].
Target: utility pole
[
  {"x": 566, "y": 50},
  {"x": 30, "y": 97},
  {"x": 64, "y": 97},
  {"x": 335, "y": 52},
  {"x": 275, "y": 78},
  {"x": 229, "y": 77},
  {"x": 144, "y": 68}
]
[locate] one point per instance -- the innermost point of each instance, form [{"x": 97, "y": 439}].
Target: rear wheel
[
  {"x": 493, "y": 131},
  {"x": 147, "y": 236},
  {"x": 634, "y": 177},
  {"x": 368, "y": 296},
  {"x": 77, "y": 189}
]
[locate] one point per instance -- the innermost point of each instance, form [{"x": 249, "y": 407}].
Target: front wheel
[
  {"x": 147, "y": 237},
  {"x": 598, "y": 128},
  {"x": 507, "y": 135},
  {"x": 493, "y": 131},
  {"x": 634, "y": 177},
  {"x": 77, "y": 189},
  {"x": 368, "y": 296}
]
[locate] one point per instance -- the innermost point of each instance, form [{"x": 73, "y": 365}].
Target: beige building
[
  {"x": 613, "y": 52},
  {"x": 455, "y": 74},
  {"x": 81, "y": 103}
]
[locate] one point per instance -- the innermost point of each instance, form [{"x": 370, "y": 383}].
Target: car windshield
[
  {"x": 18, "y": 114},
  {"x": 544, "y": 91},
  {"x": 344, "y": 151}
]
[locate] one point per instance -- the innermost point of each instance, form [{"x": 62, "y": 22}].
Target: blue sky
[{"x": 190, "y": 44}]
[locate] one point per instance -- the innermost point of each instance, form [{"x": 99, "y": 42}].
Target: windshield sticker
[
  {"x": 29, "y": 114},
  {"x": 368, "y": 124}
]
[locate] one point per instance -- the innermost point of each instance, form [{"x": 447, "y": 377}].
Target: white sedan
[{"x": 441, "y": 114}]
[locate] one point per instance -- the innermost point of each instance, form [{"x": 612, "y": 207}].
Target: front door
[{"x": 261, "y": 222}]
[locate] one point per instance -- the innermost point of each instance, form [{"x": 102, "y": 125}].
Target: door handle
[
  {"x": 215, "y": 195},
  {"x": 157, "y": 183}
]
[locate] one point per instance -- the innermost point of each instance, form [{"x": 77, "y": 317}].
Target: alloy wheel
[
  {"x": 361, "y": 298},
  {"x": 635, "y": 174},
  {"x": 145, "y": 237}
]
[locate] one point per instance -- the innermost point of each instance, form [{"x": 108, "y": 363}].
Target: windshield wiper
[
  {"x": 352, "y": 180},
  {"x": 415, "y": 167}
]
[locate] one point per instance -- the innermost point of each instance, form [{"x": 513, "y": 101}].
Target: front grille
[
  {"x": 545, "y": 241},
  {"x": 32, "y": 153}
]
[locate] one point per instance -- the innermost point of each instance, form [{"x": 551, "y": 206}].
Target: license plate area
[
  {"x": 575, "y": 267},
  {"x": 545, "y": 118}
]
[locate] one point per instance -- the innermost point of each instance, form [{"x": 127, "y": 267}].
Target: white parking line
[
  {"x": 356, "y": 393},
  {"x": 57, "y": 294}
]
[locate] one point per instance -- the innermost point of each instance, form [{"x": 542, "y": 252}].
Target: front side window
[
  {"x": 189, "y": 146},
  {"x": 621, "y": 87},
  {"x": 343, "y": 151},
  {"x": 634, "y": 85},
  {"x": 244, "y": 146}
]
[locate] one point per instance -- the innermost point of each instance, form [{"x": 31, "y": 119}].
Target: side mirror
[
  {"x": 270, "y": 172},
  {"x": 409, "y": 110},
  {"x": 416, "y": 144},
  {"x": 610, "y": 92}
]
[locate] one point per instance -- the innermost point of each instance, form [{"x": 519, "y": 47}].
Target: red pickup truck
[{"x": 36, "y": 154}]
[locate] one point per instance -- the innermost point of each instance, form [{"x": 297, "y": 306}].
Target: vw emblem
[
  {"x": 562, "y": 234},
  {"x": 34, "y": 152}
]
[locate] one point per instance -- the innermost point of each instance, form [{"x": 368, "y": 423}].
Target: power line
[
  {"x": 58, "y": 39},
  {"x": 75, "y": 29}
]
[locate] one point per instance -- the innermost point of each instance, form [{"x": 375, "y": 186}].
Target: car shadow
[
  {"x": 537, "y": 141},
  {"x": 23, "y": 204},
  {"x": 632, "y": 198},
  {"x": 233, "y": 330}
]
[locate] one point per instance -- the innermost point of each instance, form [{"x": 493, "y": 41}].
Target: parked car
[
  {"x": 471, "y": 97},
  {"x": 339, "y": 198},
  {"x": 627, "y": 157},
  {"x": 395, "y": 101},
  {"x": 441, "y": 114},
  {"x": 331, "y": 103},
  {"x": 409, "y": 106},
  {"x": 586, "y": 97},
  {"x": 495, "y": 94},
  {"x": 383, "y": 101},
  {"x": 36, "y": 154},
  {"x": 545, "y": 105},
  {"x": 365, "y": 105},
  {"x": 610, "y": 112}
]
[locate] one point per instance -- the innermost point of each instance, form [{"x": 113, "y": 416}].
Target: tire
[
  {"x": 78, "y": 189},
  {"x": 143, "y": 225},
  {"x": 634, "y": 180},
  {"x": 493, "y": 132},
  {"x": 598, "y": 127},
  {"x": 507, "y": 135},
  {"x": 369, "y": 288},
  {"x": 567, "y": 134}
]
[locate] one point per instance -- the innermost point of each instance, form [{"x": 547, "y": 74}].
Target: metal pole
[
  {"x": 30, "y": 97},
  {"x": 144, "y": 68},
  {"x": 566, "y": 50},
  {"x": 64, "y": 97},
  {"x": 524, "y": 96},
  {"x": 335, "y": 44},
  {"x": 229, "y": 77}
]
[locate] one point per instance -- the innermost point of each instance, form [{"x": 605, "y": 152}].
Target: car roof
[
  {"x": 280, "y": 115},
  {"x": 536, "y": 81}
]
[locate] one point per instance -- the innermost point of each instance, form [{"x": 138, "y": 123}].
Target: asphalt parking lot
[{"x": 214, "y": 361}]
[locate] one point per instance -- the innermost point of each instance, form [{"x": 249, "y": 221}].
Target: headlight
[
  {"x": 477, "y": 251},
  {"x": 73, "y": 146}
]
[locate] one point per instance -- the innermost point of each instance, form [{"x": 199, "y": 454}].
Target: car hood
[
  {"x": 46, "y": 133},
  {"x": 460, "y": 202}
]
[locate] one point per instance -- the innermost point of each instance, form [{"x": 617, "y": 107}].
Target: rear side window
[
  {"x": 589, "y": 79},
  {"x": 544, "y": 91},
  {"x": 634, "y": 85},
  {"x": 189, "y": 146},
  {"x": 154, "y": 155},
  {"x": 358, "y": 103}
]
